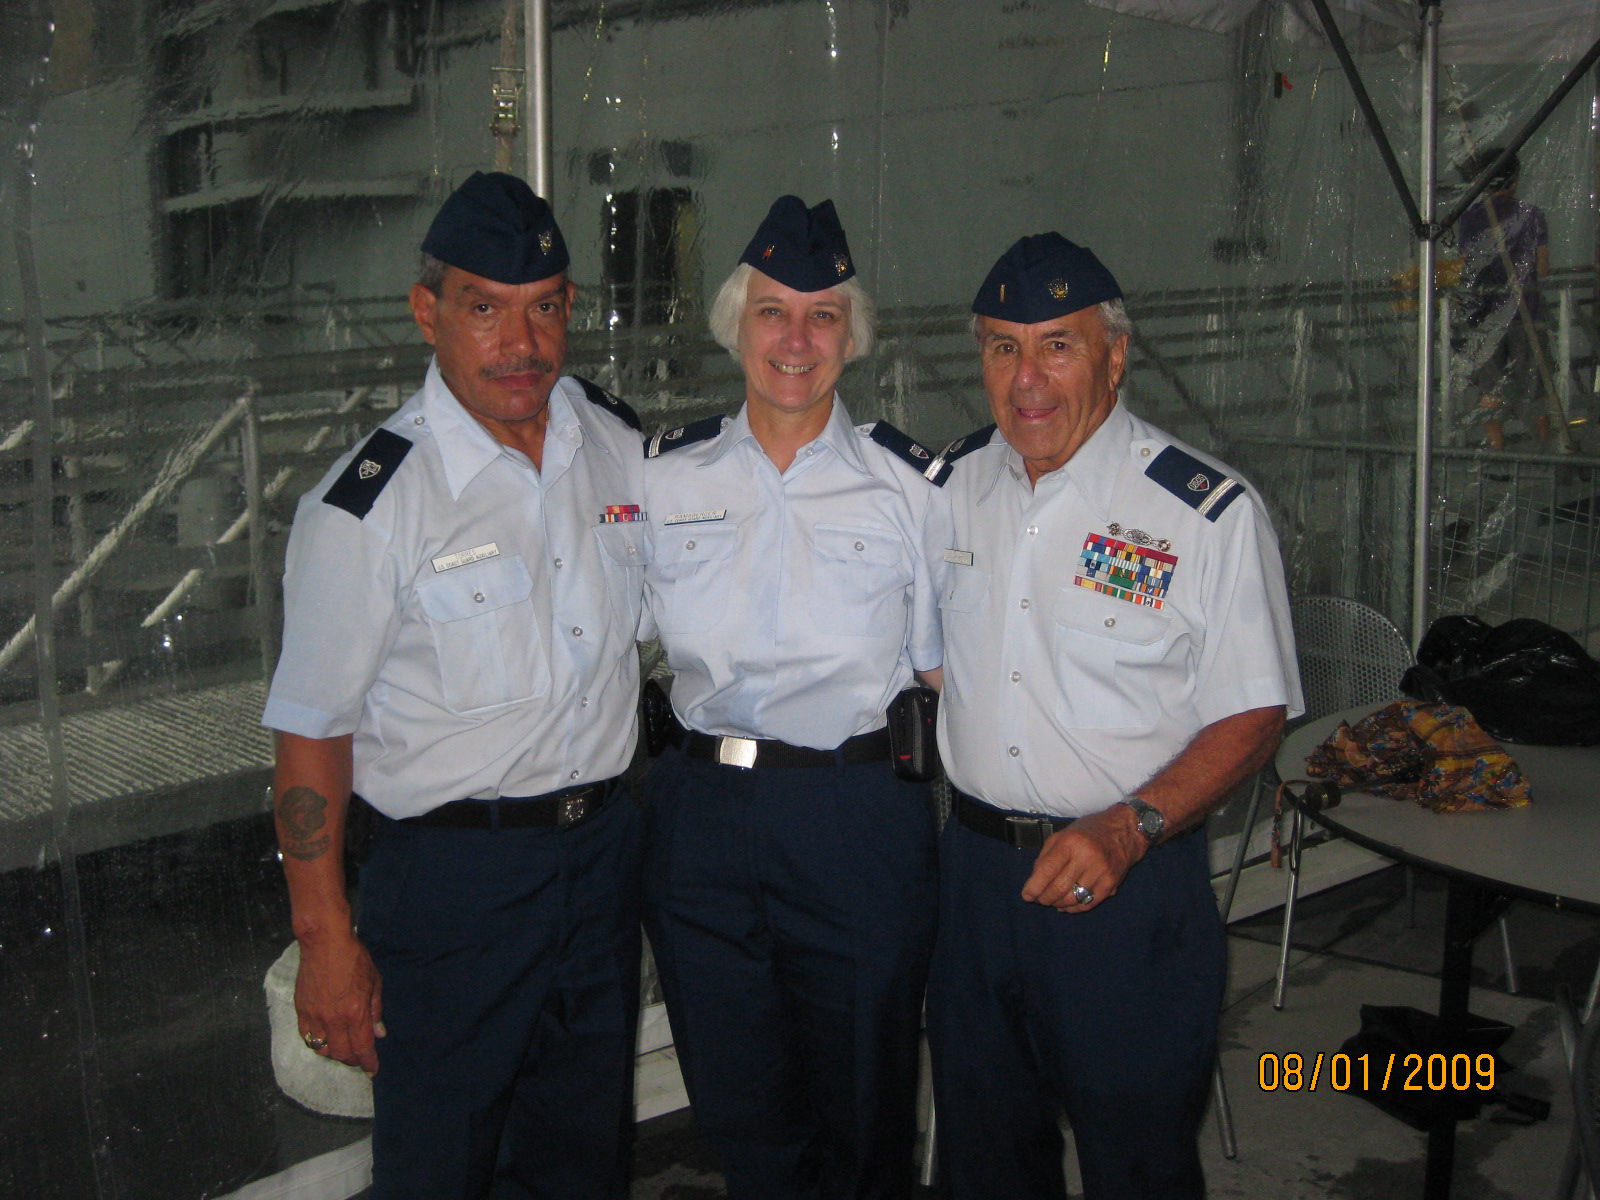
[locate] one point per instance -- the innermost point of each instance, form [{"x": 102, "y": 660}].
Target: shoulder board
[
  {"x": 904, "y": 446},
  {"x": 357, "y": 488},
  {"x": 684, "y": 435},
  {"x": 1205, "y": 489},
  {"x": 617, "y": 408},
  {"x": 943, "y": 463}
]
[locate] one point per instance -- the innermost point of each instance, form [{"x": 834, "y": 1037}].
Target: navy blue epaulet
[
  {"x": 357, "y": 488},
  {"x": 617, "y": 408},
  {"x": 1205, "y": 489},
  {"x": 945, "y": 461},
  {"x": 702, "y": 430},
  {"x": 905, "y": 447}
]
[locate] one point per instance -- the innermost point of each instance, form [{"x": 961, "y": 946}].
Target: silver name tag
[
  {"x": 961, "y": 558},
  {"x": 461, "y": 558},
  {"x": 694, "y": 518}
]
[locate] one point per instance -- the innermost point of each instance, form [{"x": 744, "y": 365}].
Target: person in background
[{"x": 461, "y": 596}]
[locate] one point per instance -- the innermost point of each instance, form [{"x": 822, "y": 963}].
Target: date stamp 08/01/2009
[{"x": 1376, "y": 1073}]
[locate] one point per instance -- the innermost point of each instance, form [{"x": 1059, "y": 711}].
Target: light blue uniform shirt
[
  {"x": 1060, "y": 698},
  {"x": 475, "y": 630},
  {"x": 795, "y": 606}
]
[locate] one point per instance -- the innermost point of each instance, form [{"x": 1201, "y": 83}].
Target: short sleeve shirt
[
  {"x": 1095, "y": 623},
  {"x": 794, "y": 606},
  {"x": 474, "y": 630},
  {"x": 1517, "y": 232}
]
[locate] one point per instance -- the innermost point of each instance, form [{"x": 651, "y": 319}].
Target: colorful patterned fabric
[
  {"x": 1434, "y": 754},
  {"x": 1125, "y": 571}
]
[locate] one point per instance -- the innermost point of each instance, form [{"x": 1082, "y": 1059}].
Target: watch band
[{"x": 1149, "y": 820}]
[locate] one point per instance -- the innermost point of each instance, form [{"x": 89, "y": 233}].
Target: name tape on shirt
[
  {"x": 695, "y": 518},
  {"x": 1125, "y": 571},
  {"x": 961, "y": 558},
  {"x": 447, "y": 562},
  {"x": 622, "y": 512}
]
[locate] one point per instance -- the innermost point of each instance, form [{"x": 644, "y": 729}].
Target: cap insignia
[
  {"x": 1002, "y": 293},
  {"x": 767, "y": 253},
  {"x": 368, "y": 468},
  {"x": 545, "y": 241},
  {"x": 841, "y": 263},
  {"x": 1058, "y": 289}
]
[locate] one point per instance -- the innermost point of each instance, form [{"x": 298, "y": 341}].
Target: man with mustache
[{"x": 461, "y": 596}]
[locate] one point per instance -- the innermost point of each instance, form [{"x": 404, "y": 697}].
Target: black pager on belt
[
  {"x": 655, "y": 711},
  {"x": 913, "y": 734}
]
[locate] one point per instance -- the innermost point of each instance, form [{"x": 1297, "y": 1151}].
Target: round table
[{"x": 1548, "y": 851}]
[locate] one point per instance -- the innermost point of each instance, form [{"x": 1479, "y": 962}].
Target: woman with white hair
[{"x": 790, "y": 875}]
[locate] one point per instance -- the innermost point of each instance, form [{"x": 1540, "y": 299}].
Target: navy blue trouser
[
  {"x": 791, "y": 912},
  {"x": 510, "y": 965},
  {"x": 1109, "y": 1014}
]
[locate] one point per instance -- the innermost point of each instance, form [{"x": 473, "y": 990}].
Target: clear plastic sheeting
[{"x": 213, "y": 209}]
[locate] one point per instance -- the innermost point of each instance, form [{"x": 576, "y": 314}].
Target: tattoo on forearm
[{"x": 302, "y": 817}]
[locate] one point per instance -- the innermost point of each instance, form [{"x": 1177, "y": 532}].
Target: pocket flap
[
  {"x": 696, "y": 544},
  {"x": 475, "y": 590},
  {"x": 1091, "y": 613},
  {"x": 964, "y": 589},
  {"x": 844, "y": 543},
  {"x": 625, "y": 543}
]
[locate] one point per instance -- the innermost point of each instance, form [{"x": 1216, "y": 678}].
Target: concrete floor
[{"x": 133, "y": 1037}]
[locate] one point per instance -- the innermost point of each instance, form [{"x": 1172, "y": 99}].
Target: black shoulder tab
[
  {"x": 369, "y": 472},
  {"x": 1205, "y": 489},
  {"x": 702, "y": 430},
  {"x": 904, "y": 446},
  {"x": 617, "y": 408},
  {"x": 940, "y": 469}
]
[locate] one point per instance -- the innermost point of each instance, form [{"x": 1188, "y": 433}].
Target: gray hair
[
  {"x": 431, "y": 273},
  {"x": 728, "y": 307},
  {"x": 1113, "y": 315}
]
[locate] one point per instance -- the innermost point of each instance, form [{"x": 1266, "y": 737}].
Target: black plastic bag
[{"x": 1524, "y": 681}]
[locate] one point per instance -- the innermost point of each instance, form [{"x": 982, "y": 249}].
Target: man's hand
[
  {"x": 338, "y": 997},
  {"x": 1094, "y": 852}
]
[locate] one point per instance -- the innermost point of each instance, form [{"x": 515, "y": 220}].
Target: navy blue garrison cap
[
  {"x": 1043, "y": 277},
  {"x": 800, "y": 247},
  {"x": 493, "y": 225}
]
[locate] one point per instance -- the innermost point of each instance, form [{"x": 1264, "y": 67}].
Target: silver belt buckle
[{"x": 736, "y": 752}]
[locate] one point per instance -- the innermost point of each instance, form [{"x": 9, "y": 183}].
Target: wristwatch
[{"x": 1150, "y": 820}]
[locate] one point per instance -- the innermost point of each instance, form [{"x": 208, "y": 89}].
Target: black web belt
[
  {"x": 554, "y": 810},
  {"x": 757, "y": 752},
  {"x": 1025, "y": 833}
]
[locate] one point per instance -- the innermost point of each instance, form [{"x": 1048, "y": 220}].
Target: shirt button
[
  {"x": 861, "y": 545},
  {"x": 688, "y": 545},
  {"x": 1111, "y": 622},
  {"x": 1032, "y": 529},
  {"x": 419, "y": 420},
  {"x": 1145, "y": 452},
  {"x": 577, "y": 631},
  {"x": 478, "y": 596},
  {"x": 584, "y": 703},
  {"x": 631, "y": 550},
  {"x": 1026, "y": 603},
  {"x": 574, "y": 775},
  {"x": 559, "y": 564},
  {"x": 1016, "y": 677},
  {"x": 1014, "y": 751}
]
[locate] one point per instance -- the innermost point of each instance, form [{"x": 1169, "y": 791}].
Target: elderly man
[
  {"x": 1118, "y": 657},
  {"x": 461, "y": 597},
  {"x": 789, "y": 876}
]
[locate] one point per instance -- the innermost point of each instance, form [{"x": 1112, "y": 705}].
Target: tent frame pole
[
  {"x": 1427, "y": 245},
  {"x": 536, "y": 66}
]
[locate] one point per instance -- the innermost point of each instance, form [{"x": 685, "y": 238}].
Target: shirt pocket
[
  {"x": 1100, "y": 647},
  {"x": 965, "y": 589},
  {"x": 624, "y": 551},
  {"x": 690, "y": 576},
  {"x": 859, "y": 579},
  {"x": 486, "y": 633}
]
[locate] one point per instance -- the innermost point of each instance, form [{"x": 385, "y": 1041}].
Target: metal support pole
[
  {"x": 536, "y": 47},
  {"x": 1422, "y": 501},
  {"x": 261, "y": 589}
]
